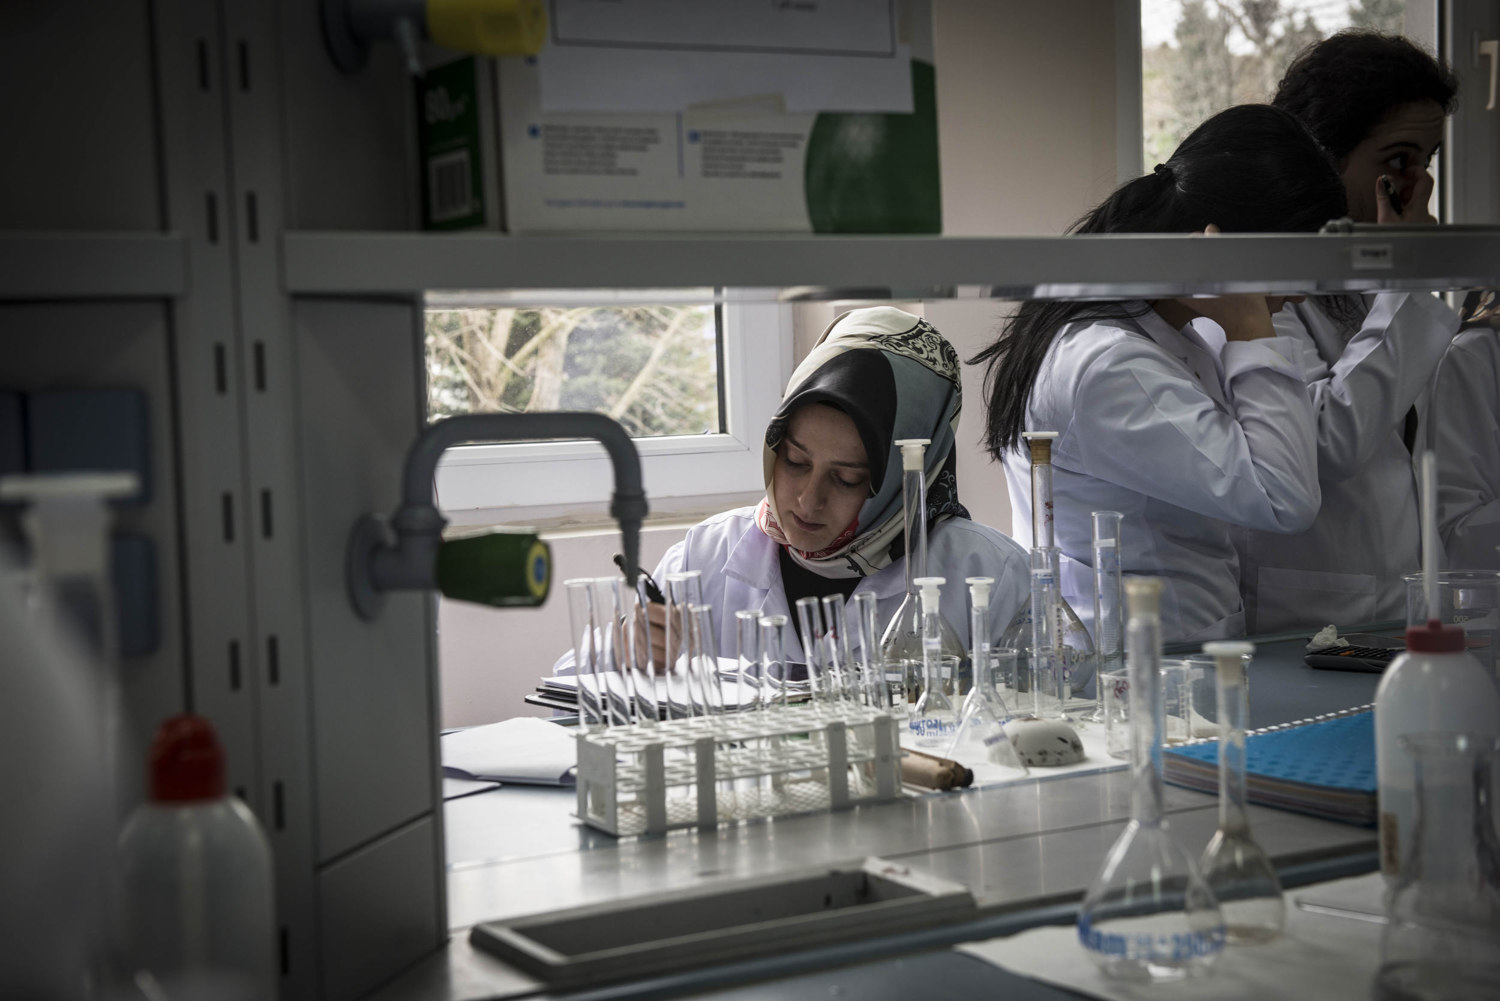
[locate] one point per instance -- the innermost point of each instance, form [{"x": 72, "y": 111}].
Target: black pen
[{"x": 653, "y": 593}]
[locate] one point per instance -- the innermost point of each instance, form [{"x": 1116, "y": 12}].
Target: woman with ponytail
[{"x": 1189, "y": 416}]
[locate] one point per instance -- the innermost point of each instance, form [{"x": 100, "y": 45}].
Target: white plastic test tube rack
[{"x": 652, "y": 778}]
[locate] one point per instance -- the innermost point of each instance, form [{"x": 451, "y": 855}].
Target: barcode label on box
[{"x": 450, "y": 187}]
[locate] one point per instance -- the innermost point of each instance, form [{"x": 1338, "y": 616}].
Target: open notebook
[{"x": 1323, "y": 766}]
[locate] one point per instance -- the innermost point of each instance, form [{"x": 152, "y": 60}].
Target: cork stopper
[{"x": 1040, "y": 443}]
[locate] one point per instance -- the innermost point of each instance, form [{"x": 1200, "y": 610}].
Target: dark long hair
[
  {"x": 1343, "y": 86},
  {"x": 1252, "y": 168}
]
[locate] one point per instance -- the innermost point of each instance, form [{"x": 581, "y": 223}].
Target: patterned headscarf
[{"x": 896, "y": 378}]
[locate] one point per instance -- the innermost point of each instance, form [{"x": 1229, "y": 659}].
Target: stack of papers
[{"x": 525, "y": 750}]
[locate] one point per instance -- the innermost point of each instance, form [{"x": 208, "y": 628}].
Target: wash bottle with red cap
[
  {"x": 197, "y": 892},
  {"x": 1435, "y": 686}
]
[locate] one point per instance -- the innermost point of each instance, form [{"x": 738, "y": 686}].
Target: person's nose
[{"x": 814, "y": 495}]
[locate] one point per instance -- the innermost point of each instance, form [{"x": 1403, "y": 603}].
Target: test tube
[
  {"x": 811, "y": 620},
  {"x": 619, "y": 656},
  {"x": 581, "y": 620},
  {"x": 682, "y": 586},
  {"x": 708, "y": 658},
  {"x": 747, "y": 648},
  {"x": 773, "y": 656},
  {"x": 840, "y": 664},
  {"x": 637, "y": 645},
  {"x": 865, "y": 616}
]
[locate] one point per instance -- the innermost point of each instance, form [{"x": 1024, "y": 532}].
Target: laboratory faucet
[{"x": 402, "y": 554}]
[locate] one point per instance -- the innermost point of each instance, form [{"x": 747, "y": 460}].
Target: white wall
[{"x": 1027, "y": 109}]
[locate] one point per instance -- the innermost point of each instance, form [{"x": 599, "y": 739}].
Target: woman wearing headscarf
[
  {"x": 1190, "y": 416},
  {"x": 831, "y": 520}
]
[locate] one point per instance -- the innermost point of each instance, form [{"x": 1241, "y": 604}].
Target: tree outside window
[
  {"x": 1199, "y": 57},
  {"x": 653, "y": 368}
]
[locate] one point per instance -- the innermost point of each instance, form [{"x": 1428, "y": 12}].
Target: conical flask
[
  {"x": 901, "y": 645},
  {"x": 981, "y": 735},
  {"x": 1234, "y": 866},
  {"x": 1148, "y": 916},
  {"x": 1442, "y": 939},
  {"x": 1073, "y": 650}
]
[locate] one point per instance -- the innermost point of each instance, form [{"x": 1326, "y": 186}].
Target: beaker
[
  {"x": 1469, "y": 599},
  {"x": 1114, "y": 699},
  {"x": 901, "y": 643},
  {"x": 1234, "y": 866},
  {"x": 1148, "y": 916},
  {"x": 1442, "y": 936}
]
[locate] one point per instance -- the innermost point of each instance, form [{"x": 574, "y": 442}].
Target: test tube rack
[{"x": 649, "y": 778}]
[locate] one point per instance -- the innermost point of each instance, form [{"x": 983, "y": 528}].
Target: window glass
[
  {"x": 1199, "y": 57},
  {"x": 652, "y": 366}
]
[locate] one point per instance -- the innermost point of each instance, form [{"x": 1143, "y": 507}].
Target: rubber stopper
[{"x": 1434, "y": 638}]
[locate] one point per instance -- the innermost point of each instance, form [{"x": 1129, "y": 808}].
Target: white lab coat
[
  {"x": 1185, "y": 435},
  {"x": 742, "y": 570},
  {"x": 1465, "y": 417},
  {"x": 1347, "y": 567}
]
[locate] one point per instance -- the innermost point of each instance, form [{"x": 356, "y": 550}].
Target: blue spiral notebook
[{"x": 1323, "y": 766}]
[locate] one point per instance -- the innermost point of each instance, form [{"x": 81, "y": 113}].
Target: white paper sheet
[
  {"x": 670, "y": 55},
  {"x": 1319, "y": 957},
  {"x": 1095, "y": 759},
  {"x": 525, "y": 750}
]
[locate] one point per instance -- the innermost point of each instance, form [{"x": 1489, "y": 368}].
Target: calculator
[{"x": 1352, "y": 658}]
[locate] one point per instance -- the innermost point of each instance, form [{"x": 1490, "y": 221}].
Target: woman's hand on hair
[{"x": 1413, "y": 211}]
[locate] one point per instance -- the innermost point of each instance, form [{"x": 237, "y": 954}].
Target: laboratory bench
[{"x": 1026, "y": 849}]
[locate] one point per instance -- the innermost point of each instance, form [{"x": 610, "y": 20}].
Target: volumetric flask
[
  {"x": 1234, "y": 866},
  {"x": 1148, "y": 916},
  {"x": 1442, "y": 936}
]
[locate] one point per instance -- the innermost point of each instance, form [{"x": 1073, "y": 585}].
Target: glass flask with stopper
[
  {"x": 981, "y": 732},
  {"x": 1072, "y": 647},
  {"x": 1148, "y": 916},
  {"x": 1442, "y": 935},
  {"x": 901, "y": 645},
  {"x": 1234, "y": 866},
  {"x": 934, "y": 720}
]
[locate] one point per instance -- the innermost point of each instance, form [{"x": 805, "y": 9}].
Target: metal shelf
[
  {"x": 92, "y": 266},
  {"x": 326, "y": 263}
]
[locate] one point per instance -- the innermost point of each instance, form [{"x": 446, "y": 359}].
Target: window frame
[{"x": 756, "y": 351}]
